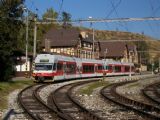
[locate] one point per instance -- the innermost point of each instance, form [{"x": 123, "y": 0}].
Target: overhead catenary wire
[
  {"x": 60, "y": 9},
  {"x": 100, "y": 20},
  {"x": 116, "y": 12},
  {"x": 112, "y": 10},
  {"x": 153, "y": 11}
]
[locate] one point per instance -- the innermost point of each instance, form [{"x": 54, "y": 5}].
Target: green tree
[
  {"x": 50, "y": 13},
  {"x": 66, "y": 17},
  {"x": 10, "y": 25}
]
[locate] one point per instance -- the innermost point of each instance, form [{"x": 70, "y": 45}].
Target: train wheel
[{"x": 41, "y": 79}]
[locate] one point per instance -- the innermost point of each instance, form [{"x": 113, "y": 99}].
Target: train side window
[
  {"x": 96, "y": 68},
  {"x": 133, "y": 68},
  {"x": 127, "y": 68},
  {"x": 60, "y": 66},
  {"x": 88, "y": 68},
  {"x": 117, "y": 68},
  {"x": 100, "y": 67},
  {"x": 109, "y": 67},
  {"x": 106, "y": 67},
  {"x": 70, "y": 68}
]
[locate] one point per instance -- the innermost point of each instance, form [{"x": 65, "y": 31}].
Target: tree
[
  {"x": 66, "y": 17},
  {"x": 10, "y": 25},
  {"x": 50, "y": 13}
]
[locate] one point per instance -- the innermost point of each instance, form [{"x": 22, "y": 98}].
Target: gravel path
[
  {"x": 106, "y": 108},
  {"x": 133, "y": 90},
  {"x": 17, "y": 113}
]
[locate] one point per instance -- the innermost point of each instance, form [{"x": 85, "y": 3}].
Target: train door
[
  {"x": 112, "y": 70},
  {"x": 117, "y": 69},
  {"x": 79, "y": 68},
  {"x": 109, "y": 69},
  {"x": 70, "y": 70},
  {"x": 100, "y": 70},
  {"x": 65, "y": 70},
  {"x": 60, "y": 71},
  {"x": 122, "y": 69},
  {"x": 95, "y": 69}
]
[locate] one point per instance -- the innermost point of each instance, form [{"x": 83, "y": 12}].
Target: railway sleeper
[
  {"x": 39, "y": 111},
  {"x": 35, "y": 107},
  {"x": 70, "y": 110}
]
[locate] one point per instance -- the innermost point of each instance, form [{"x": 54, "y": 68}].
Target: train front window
[{"x": 43, "y": 67}]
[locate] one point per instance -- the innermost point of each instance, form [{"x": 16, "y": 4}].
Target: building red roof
[
  {"x": 112, "y": 49},
  {"x": 62, "y": 37}
]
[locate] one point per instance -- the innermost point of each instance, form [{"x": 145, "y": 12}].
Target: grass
[
  {"x": 7, "y": 87},
  {"x": 89, "y": 89},
  {"x": 133, "y": 85}
]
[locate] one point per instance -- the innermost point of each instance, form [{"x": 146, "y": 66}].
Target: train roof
[
  {"x": 116, "y": 62},
  {"x": 41, "y": 58},
  {"x": 51, "y": 58}
]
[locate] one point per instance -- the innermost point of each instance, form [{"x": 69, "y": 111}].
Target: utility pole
[
  {"x": 93, "y": 43},
  {"x": 35, "y": 37},
  {"x": 90, "y": 18},
  {"x": 152, "y": 67},
  {"x": 27, "y": 40},
  {"x": 140, "y": 62},
  {"x": 159, "y": 65},
  {"x": 105, "y": 53},
  {"x": 130, "y": 70}
]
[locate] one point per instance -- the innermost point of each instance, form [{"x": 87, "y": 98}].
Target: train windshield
[{"x": 43, "y": 67}]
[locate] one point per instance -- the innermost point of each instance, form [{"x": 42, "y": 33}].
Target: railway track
[
  {"x": 33, "y": 105},
  {"x": 153, "y": 93},
  {"x": 147, "y": 111},
  {"x": 61, "y": 104},
  {"x": 68, "y": 105}
]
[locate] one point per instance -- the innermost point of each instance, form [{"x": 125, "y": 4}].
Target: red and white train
[{"x": 57, "y": 67}]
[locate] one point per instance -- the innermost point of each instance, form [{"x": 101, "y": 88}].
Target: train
[{"x": 50, "y": 67}]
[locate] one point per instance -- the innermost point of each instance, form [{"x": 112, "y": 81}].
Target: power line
[
  {"x": 115, "y": 10},
  {"x": 100, "y": 20},
  {"x": 152, "y": 51},
  {"x": 112, "y": 10},
  {"x": 153, "y": 14},
  {"x": 60, "y": 9},
  {"x": 133, "y": 40}
]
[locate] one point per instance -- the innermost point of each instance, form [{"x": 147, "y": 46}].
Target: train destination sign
[{"x": 44, "y": 60}]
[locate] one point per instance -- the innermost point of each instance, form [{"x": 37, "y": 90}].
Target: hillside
[{"x": 152, "y": 44}]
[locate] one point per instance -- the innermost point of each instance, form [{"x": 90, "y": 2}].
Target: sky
[{"x": 106, "y": 9}]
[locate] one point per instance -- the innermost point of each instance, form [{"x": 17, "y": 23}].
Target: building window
[
  {"x": 78, "y": 53},
  {"x": 62, "y": 50},
  {"x": 58, "y": 50},
  {"x": 84, "y": 44}
]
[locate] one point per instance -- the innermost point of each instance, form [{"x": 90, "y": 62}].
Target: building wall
[
  {"x": 22, "y": 66},
  {"x": 81, "y": 50},
  {"x": 21, "y": 69},
  {"x": 68, "y": 51}
]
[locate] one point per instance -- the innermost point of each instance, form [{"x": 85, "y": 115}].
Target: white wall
[{"x": 23, "y": 67}]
